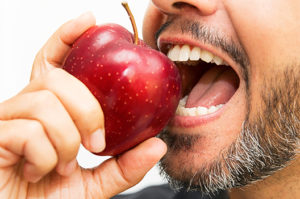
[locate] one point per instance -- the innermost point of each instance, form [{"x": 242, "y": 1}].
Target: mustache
[{"x": 210, "y": 36}]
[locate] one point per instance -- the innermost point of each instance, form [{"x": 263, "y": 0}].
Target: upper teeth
[{"x": 185, "y": 53}]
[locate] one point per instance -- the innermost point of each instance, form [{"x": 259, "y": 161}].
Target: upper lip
[{"x": 164, "y": 44}]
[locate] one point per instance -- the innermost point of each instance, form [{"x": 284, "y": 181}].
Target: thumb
[{"x": 120, "y": 173}]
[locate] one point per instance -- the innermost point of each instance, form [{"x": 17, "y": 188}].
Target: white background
[{"x": 25, "y": 25}]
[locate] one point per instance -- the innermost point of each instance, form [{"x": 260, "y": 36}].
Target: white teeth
[
  {"x": 201, "y": 110},
  {"x": 212, "y": 109},
  {"x": 207, "y": 56},
  {"x": 195, "y": 54},
  {"x": 173, "y": 53},
  {"x": 182, "y": 102},
  {"x": 217, "y": 60},
  {"x": 195, "y": 111},
  {"x": 185, "y": 53}
]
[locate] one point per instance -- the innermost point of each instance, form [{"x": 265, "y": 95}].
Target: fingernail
[
  {"x": 33, "y": 178},
  {"x": 66, "y": 169},
  {"x": 97, "y": 141}
]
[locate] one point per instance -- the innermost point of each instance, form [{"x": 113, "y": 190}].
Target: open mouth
[{"x": 208, "y": 82}]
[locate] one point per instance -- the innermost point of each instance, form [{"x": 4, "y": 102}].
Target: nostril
[
  {"x": 181, "y": 5},
  {"x": 204, "y": 7}
]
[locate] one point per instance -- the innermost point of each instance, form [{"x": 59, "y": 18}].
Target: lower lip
[{"x": 195, "y": 121}]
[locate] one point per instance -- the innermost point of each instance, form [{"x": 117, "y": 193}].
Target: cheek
[
  {"x": 267, "y": 29},
  {"x": 152, "y": 21},
  {"x": 255, "y": 28},
  {"x": 269, "y": 32}
]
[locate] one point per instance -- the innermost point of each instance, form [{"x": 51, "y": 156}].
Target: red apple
[{"x": 137, "y": 87}]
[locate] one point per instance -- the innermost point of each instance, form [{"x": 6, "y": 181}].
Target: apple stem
[{"x": 135, "y": 31}]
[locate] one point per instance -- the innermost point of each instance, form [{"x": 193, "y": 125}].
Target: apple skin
[{"x": 137, "y": 87}]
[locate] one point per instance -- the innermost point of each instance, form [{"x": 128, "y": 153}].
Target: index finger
[{"x": 56, "y": 48}]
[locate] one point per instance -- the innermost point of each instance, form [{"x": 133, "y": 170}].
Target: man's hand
[{"x": 42, "y": 127}]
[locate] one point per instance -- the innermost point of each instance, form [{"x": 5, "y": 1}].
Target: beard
[{"x": 268, "y": 141}]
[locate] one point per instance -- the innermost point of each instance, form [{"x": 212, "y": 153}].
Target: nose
[{"x": 204, "y": 7}]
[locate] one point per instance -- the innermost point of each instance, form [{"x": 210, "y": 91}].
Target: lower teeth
[{"x": 195, "y": 111}]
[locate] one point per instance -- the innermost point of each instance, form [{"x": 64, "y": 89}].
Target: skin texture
[
  {"x": 267, "y": 32},
  {"x": 50, "y": 110}
]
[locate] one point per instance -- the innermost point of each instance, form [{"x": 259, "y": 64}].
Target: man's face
[{"x": 240, "y": 120}]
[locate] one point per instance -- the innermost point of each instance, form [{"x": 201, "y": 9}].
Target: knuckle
[
  {"x": 91, "y": 117},
  {"x": 51, "y": 78},
  {"x": 45, "y": 95},
  {"x": 90, "y": 111},
  {"x": 45, "y": 98},
  {"x": 44, "y": 162},
  {"x": 34, "y": 127},
  {"x": 53, "y": 75},
  {"x": 47, "y": 163},
  {"x": 70, "y": 144}
]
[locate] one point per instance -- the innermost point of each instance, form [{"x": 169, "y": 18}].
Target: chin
[{"x": 200, "y": 149}]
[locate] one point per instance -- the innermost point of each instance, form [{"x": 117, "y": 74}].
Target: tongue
[{"x": 215, "y": 87}]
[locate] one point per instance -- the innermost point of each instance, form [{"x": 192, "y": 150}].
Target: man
[
  {"x": 237, "y": 126},
  {"x": 256, "y": 132}
]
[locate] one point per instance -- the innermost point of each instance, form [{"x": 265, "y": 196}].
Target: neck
[{"x": 283, "y": 184}]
